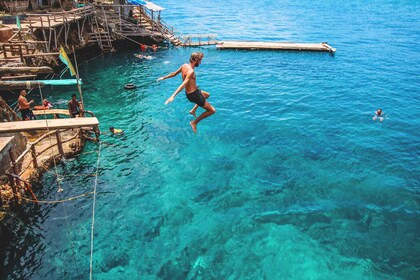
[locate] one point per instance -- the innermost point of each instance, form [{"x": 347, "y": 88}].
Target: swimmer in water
[
  {"x": 148, "y": 57},
  {"x": 115, "y": 131},
  {"x": 378, "y": 115}
]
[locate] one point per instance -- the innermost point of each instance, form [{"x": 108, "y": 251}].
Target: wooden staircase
[
  {"x": 101, "y": 31},
  {"x": 158, "y": 28}
]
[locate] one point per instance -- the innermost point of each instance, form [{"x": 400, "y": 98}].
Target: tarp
[
  {"x": 147, "y": 4},
  {"x": 64, "y": 82}
]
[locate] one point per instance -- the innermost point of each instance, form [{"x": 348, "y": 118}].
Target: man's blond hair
[{"x": 196, "y": 56}]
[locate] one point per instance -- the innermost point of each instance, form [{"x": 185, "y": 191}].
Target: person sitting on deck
[
  {"x": 47, "y": 104},
  {"x": 115, "y": 131},
  {"x": 74, "y": 106},
  {"x": 378, "y": 115},
  {"x": 24, "y": 106}
]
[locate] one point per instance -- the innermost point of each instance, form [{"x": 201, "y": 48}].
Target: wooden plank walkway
[
  {"x": 51, "y": 112},
  {"x": 284, "y": 46},
  {"x": 23, "y": 126}
]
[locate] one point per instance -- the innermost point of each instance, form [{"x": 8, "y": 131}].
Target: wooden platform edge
[
  {"x": 280, "y": 46},
  {"x": 24, "y": 126}
]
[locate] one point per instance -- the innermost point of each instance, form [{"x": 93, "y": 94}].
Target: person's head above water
[
  {"x": 379, "y": 111},
  {"x": 111, "y": 129},
  {"x": 196, "y": 57}
]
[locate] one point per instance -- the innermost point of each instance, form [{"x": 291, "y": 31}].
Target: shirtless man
[
  {"x": 24, "y": 106},
  {"x": 193, "y": 94}
]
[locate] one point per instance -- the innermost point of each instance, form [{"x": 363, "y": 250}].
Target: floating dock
[{"x": 282, "y": 46}]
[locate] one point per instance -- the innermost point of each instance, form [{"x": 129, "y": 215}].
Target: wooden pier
[
  {"x": 24, "y": 126},
  {"x": 283, "y": 46}
]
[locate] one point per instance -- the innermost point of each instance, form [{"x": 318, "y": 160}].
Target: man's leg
[
  {"x": 194, "y": 109},
  {"x": 209, "y": 111}
]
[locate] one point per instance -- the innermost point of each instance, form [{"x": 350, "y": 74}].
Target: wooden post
[
  {"x": 12, "y": 178},
  {"x": 21, "y": 54},
  {"x": 59, "y": 143},
  {"x": 96, "y": 130},
  {"x": 29, "y": 189},
  {"x": 33, "y": 153},
  {"x": 4, "y": 51},
  {"x": 12, "y": 184},
  {"x": 12, "y": 159}
]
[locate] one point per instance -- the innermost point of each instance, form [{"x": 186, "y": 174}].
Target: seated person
[
  {"x": 47, "y": 104},
  {"x": 378, "y": 115},
  {"x": 115, "y": 131}
]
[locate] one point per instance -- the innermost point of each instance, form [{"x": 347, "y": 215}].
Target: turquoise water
[{"x": 290, "y": 179}]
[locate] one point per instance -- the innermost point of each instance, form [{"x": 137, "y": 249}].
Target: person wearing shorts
[
  {"x": 25, "y": 106},
  {"x": 193, "y": 94}
]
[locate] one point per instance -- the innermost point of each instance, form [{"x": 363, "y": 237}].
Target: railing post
[
  {"x": 21, "y": 53},
  {"x": 59, "y": 143},
  {"x": 4, "y": 51},
  {"x": 12, "y": 184},
  {"x": 12, "y": 178},
  {"x": 12, "y": 159},
  {"x": 29, "y": 189},
  {"x": 33, "y": 153}
]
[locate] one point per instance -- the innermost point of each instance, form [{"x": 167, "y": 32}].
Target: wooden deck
[
  {"x": 51, "y": 112},
  {"x": 24, "y": 126},
  {"x": 284, "y": 46}
]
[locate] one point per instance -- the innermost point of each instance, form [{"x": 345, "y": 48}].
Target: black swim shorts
[
  {"x": 196, "y": 97},
  {"x": 27, "y": 114}
]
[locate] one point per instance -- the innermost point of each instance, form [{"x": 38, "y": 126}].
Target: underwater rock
[{"x": 115, "y": 259}]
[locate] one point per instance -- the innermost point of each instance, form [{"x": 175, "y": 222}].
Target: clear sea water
[{"x": 290, "y": 179}]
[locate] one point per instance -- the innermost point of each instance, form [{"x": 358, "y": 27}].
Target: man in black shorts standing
[{"x": 193, "y": 94}]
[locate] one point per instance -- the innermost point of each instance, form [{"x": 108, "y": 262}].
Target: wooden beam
[
  {"x": 20, "y": 84},
  {"x": 18, "y": 70},
  {"x": 40, "y": 54},
  {"x": 47, "y": 124},
  {"x": 6, "y": 78}
]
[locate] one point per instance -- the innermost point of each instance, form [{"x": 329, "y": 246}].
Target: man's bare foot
[
  {"x": 192, "y": 112},
  {"x": 193, "y": 126}
]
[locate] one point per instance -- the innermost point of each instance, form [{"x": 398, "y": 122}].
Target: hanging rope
[
  {"x": 93, "y": 213},
  {"x": 60, "y": 190},
  {"x": 57, "y": 201}
]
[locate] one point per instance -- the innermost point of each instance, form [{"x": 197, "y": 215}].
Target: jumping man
[{"x": 193, "y": 94}]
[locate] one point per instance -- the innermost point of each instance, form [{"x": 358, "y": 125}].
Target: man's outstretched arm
[
  {"x": 181, "y": 87},
  {"x": 170, "y": 75}
]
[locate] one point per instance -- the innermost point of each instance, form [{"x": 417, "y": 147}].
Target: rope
[
  {"x": 60, "y": 190},
  {"x": 57, "y": 201},
  {"x": 93, "y": 213}
]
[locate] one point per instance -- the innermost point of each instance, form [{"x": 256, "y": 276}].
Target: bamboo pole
[
  {"x": 19, "y": 70},
  {"x": 79, "y": 87}
]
